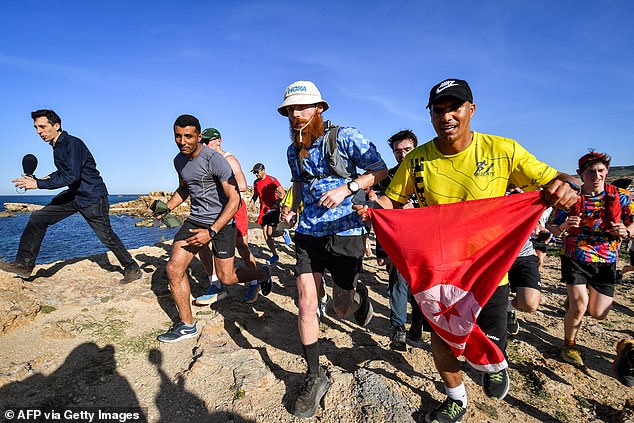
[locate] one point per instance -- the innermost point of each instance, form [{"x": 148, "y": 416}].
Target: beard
[{"x": 310, "y": 133}]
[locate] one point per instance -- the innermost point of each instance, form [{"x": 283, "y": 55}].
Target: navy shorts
[
  {"x": 524, "y": 273},
  {"x": 341, "y": 255},
  {"x": 224, "y": 243},
  {"x": 600, "y": 276}
]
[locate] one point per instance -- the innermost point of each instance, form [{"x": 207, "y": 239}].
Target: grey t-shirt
[{"x": 203, "y": 175}]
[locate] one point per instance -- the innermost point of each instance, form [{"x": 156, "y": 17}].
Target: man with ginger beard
[{"x": 328, "y": 234}]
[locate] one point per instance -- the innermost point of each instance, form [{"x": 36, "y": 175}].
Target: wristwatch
[
  {"x": 353, "y": 186},
  {"x": 574, "y": 186},
  {"x": 212, "y": 233}
]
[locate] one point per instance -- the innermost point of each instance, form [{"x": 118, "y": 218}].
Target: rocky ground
[{"x": 74, "y": 336}]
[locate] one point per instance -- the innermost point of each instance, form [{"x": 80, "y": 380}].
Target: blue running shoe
[
  {"x": 179, "y": 332},
  {"x": 274, "y": 259},
  {"x": 212, "y": 295},
  {"x": 287, "y": 237},
  {"x": 252, "y": 293}
]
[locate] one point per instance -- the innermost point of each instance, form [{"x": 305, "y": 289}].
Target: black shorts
[
  {"x": 600, "y": 276},
  {"x": 272, "y": 218},
  {"x": 492, "y": 317},
  {"x": 341, "y": 255},
  {"x": 224, "y": 243},
  {"x": 524, "y": 273}
]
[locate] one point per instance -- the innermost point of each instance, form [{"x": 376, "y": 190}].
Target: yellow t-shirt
[{"x": 482, "y": 170}]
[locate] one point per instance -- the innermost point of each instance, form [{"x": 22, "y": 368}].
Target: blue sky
[{"x": 556, "y": 76}]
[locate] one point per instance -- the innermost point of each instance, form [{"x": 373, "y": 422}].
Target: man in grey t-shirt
[{"x": 206, "y": 177}]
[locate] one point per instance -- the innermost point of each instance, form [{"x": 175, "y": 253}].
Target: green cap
[{"x": 211, "y": 134}]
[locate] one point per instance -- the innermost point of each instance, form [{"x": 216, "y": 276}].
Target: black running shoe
[
  {"x": 496, "y": 385},
  {"x": 266, "y": 284},
  {"x": 365, "y": 312},
  {"x": 512, "y": 325},
  {"x": 311, "y": 393},
  {"x": 398, "y": 340},
  {"x": 450, "y": 411}
]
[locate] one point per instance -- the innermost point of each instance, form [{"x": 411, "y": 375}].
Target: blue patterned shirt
[{"x": 356, "y": 151}]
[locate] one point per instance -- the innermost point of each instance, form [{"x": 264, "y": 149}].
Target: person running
[
  {"x": 399, "y": 293},
  {"x": 524, "y": 281},
  {"x": 269, "y": 191},
  {"x": 328, "y": 234},
  {"x": 86, "y": 194},
  {"x": 206, "y": 177},
  {"x": 593, "y": 230},
  {"x": 541, "y": 237},
  {"x": 212, "y": 139},
  {"x": 458, "y": 165}
]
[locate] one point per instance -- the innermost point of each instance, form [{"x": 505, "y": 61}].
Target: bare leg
[
  {"x": 179, "y": 284},
  {"x": 308, "y": 322},
  {"x": 446, "y": 363}
]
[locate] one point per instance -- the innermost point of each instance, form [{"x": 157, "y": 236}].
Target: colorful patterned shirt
[
  {"x": 356, "y": 152},
  {"x": 594, "y": 245}
]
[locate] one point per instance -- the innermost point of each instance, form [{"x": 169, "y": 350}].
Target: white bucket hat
[{"x": 301, "y": 92}]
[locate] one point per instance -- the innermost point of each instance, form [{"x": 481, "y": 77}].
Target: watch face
[{"x": 353, "y": 186}]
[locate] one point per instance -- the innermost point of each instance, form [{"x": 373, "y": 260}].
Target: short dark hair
[
  {"x": 592, "y": 158},
  {"x": 184, "y": 121},
  {"x": 52, "y": 117},
  {"x": 402, "y": 135}
]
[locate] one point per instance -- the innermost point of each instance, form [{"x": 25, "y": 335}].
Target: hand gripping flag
[{"x": 453, "y": 257}]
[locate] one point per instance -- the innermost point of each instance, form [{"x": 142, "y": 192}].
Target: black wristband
[
  {"x": 212, "y": 233},
  {"x": 574, "y": 186}
]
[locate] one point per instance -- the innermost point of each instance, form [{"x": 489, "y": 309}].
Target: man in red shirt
[{"x": 269, "y": 191}]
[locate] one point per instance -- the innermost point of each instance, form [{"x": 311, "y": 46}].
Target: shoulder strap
[{"x": 334, "y": 160}]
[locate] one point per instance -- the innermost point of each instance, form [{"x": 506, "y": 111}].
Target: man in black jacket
[{"x": 86, "y": 194}]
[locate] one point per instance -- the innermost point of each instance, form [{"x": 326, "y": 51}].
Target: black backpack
[{"x": 334, "y": 160}]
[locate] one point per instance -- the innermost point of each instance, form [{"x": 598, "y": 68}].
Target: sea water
[{"x": 72, "y": 237}]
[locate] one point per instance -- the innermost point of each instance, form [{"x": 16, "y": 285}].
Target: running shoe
[
  {"x": 312, "y": 391},
  {"x": 624, "y": 362},
  {"x": 365, "y": 312},
  {"x": 570, "y": 354},
  {"x": 251, "y": 295},
  {"x": 212, "y": 295},
  {"x": 415, "y": 335},
  {"x": 267, "y": 282},
  {"x": 287, "y": 237},
  {"x": 274, "y": 259},
  {"x": 398, "y": 341},
  {"x": 22, "y": 270},
  {"x": 179, "y": 332},
  {"x": 450, "y": 411},
  {"x": 496, "y": 385},
  {"x": 512, "y": 325},
  {"x": 131, "y": 273}
]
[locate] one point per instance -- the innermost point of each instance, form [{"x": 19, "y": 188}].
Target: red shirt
[{"x": 265, "y": 189}]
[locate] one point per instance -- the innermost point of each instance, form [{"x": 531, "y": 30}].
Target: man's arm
[
  {"x": 180, "y": 195},
  {"x": 335, "y": 196},
  {"x": 559, "y": 193},
  {"x": 238, "y": 173}
]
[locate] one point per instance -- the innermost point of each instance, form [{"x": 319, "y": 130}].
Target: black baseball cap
[
  {"x": 257, "y": 167},
  {"x": 451, "y": 87}
]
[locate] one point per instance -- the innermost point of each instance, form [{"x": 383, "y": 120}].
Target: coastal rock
[{"x": 21, "y": 207}]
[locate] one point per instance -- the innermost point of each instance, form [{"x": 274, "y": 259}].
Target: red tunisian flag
[{"x": 453, "y": 257}]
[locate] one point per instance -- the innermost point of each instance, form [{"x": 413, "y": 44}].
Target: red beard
[{"x": 310, "y": 133}]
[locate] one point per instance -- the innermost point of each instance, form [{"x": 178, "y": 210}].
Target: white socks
[{"x": 459, "y": 393}]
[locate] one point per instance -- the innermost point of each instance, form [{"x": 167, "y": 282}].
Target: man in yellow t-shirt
[{"x": 459, "y": 165}]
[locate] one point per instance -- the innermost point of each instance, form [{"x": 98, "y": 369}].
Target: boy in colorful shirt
[{"x": 594, "y": 230}]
